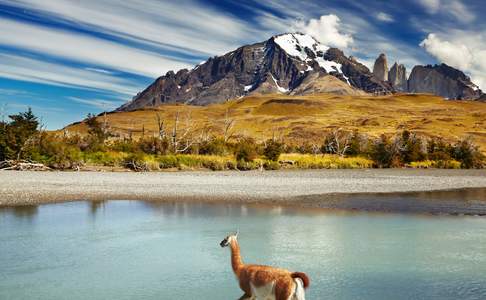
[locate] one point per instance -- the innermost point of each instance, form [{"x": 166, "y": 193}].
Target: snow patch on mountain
[
  {"x": 296, "y": 43},
  {"x": 307, "y": 49},
  {"x": 280, "y": 89}
]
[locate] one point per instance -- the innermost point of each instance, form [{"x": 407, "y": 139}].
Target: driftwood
[{"x": 22, "y": 166}]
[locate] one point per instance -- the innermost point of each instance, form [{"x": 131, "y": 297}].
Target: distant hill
[{"x": 306, "y": 118}]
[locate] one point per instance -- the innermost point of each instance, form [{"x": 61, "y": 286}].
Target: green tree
[
  {"x": 96, "y": 134},
  {"x": 273, "y": 150},
  {"x": 468, "y": 154},
  {"x": 16, "y": 134},
  {"x": 382, "y": 152},
  {"x": 410, "y": 147}
]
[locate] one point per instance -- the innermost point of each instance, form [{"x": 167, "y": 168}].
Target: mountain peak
[
  {"x": 277, "y": 65},
  {"x": 300, "y": 45}
]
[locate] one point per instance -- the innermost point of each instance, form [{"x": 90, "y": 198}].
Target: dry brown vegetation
[{"x": 300, "y": 119}]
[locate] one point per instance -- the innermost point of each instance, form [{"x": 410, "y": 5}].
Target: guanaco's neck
[{"x": 236, "y": 262}]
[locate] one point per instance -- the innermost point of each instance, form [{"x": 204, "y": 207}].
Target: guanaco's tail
[{"x": 303, "y": 277}]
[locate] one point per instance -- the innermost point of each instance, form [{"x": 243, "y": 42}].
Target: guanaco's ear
[{"x": 237, "y": 232}]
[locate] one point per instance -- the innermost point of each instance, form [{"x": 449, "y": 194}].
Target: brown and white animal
[{"x": 264, "y": 282}]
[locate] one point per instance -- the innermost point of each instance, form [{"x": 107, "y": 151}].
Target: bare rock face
[
  {"x": 357, "y": 74},
  {"x": 398, "y": 77},
  {"x": 380, "y": 69},
  {"x": 278, "y": 65},
  {"x": 443, "y": 80}
]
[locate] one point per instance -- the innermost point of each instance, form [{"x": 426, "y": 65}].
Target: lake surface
[{"x": 144, "y": 250}]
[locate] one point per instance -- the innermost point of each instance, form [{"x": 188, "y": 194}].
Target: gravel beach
[{"x": 333, "y": 189}]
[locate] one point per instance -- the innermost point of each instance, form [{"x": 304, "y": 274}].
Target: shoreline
[{"x": 393, "y": 190}]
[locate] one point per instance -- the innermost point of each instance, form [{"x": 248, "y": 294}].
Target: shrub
[
  {"x": 468, "y": 154},
  {"x": 247, "y": 165},
  {"x": 439, "y": 164},
  {"x": 273, "y": 150},
  {"x": 327, "y": 161},
  {"x": 358, "y": 144},
  {"x": 136, "y": 162},
  {"x": 246, "y": 151},
  {"x": 382, "y": 152},
  {"x": 271, "y": 165},
  {"x": 215, "y": 146},
  {"x": 439, "y": 150},
  {"x": 168, "y": 161},
  {"x": 154, "y": 145},
  {"x": 410, "y": 147},
  {"x": 125, "y": 145},
  {"x": 110, "y": 159}
]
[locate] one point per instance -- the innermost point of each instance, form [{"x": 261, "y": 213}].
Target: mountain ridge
[{"x": 280, "y": 65}]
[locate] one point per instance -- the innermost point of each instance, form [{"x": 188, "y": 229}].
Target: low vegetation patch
[
  {"x": 325, "y": 161},
  {"x": 23, "y": 139}
]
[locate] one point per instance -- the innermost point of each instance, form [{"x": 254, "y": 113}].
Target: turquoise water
[{"x": 143, "y": 250}]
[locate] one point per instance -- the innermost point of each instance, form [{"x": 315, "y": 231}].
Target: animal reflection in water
[{"x": 264, "y": 282}]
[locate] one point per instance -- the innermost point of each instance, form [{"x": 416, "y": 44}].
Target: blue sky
[{"x": 66, "y": 58}]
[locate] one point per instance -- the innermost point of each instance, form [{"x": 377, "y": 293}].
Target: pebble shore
[{"x": 314, "y": 188}]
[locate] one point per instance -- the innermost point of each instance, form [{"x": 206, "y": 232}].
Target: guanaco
[{"x": 264, "y": 282}]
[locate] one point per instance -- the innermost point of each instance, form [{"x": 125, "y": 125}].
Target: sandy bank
[{"x": 341, "y": 189}]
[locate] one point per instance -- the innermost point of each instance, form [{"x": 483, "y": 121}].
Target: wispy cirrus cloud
[
  {"x": 84, "y": 48},
  {"x": 384, "y": 17},
  {"x": 101, "y": 104},
  {"x": 33, "y": 70},
  {"x": 454, "y": 8},
  {"x": 183, "y": 25}
]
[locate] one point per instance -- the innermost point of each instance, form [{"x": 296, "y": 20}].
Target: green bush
[
  {"x": 215, "y": 146},
  {"x": 381, "y": 151},
  {"x": 468, "y": 154},
  {"x": 136, "y": 162},
  {"x": 110, "y": 159},
  {"x": 154, "y": 145},
  {"x": 168, "y": 161},
  {"x": 273, "y": 150},
  {"x": 246, "y": 151},
  {"x": 243, "y": 165},
  {"x": 271, "y": 165}
]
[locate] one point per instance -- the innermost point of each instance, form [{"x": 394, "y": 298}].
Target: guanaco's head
[{"x": 227, "y": 240}]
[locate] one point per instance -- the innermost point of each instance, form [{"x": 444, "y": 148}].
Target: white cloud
[
  {"x": 84, "y": 48},
  {"x": 384, "y": 17},
  {"x": 459, "y": 11},
  {"x": 327, "y": 30},
  {"x": 432, "y": 6},
  {"x": 454, "y": 8},
  {"x": 104, "y": 105},
  {"x": 455, "y": 55},
  {"x": 460, "y": 49},
  {"x": 182, "y": 25},
  {"x": 32, "y": 70}
]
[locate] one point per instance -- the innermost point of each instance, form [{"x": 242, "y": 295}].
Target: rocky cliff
[
  {"x": 278, "y": 65},
  {"x": 380, "y": 68},
  {"x": 398, "y": 77},
  {"x": 443, "y": 80}
]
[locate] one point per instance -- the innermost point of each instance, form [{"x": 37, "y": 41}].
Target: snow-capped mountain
[{"x": 278, "y": 65}]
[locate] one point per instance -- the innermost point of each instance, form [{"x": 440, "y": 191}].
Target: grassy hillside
[{"x": 307, "y": 118}]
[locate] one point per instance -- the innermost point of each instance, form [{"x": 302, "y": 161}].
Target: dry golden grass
[{"x": 306, "y": 118}]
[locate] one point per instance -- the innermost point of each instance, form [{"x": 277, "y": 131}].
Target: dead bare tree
[
  {"x": 160, "y": 126},
  {"x": 181, "y": 141},
  {"x": 228, "y": 124},
  {"x": 337, "y": 142}
]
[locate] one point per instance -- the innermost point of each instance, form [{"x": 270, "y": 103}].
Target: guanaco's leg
[{"x": 245, "y": 297}]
